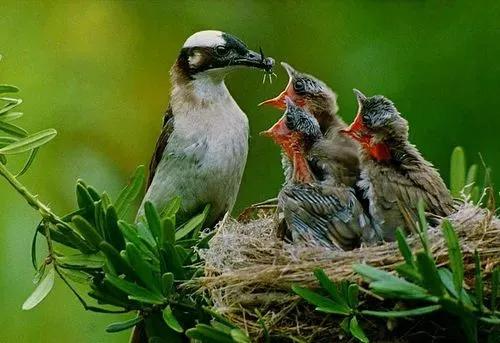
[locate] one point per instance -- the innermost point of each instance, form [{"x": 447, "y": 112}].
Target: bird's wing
[
  {"x": 161, "y": 144},
  {"x": 330, "y": 217},
  {"x": 401, "y": 194}
]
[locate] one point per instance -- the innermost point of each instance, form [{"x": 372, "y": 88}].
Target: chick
[{"x": 394, "y": 175}]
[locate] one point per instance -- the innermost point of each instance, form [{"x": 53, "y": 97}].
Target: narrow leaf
[
  {"x": 478, "y": 281},
  {"x": 116, "y": 261},
  {"x": 12, "y": 129},
  {"x": 87, "y": 231},
  {"x": 192, "y": 225},
  {"x": 134, "y": 291},
  {"x": 454, "y": 255},
  {"x": 8, "y": 89},
  {"x": 112, "y": 232},
  {"x": 330, "y": 287},
  {"x": 371, "y": 273},
  {"x": 117, "y": 327},
  {"x": 403, "y": 246},
  {"x": 495, "y": 285},
  {"x": 171, "y": 208},
  {"x": 28, "y": 162},
  {"x": 93, "y": 261},
  {"x": 357, "y": 331},
  {"x": 142, "y": 269},
  {"x": 322, "y": 303},
  {"x": 406, "y": 313},
  {"x": 429, "y": 273},
  {"x": 457, "y": 171},
  {"x": 153, "y": 219},
  {"x": 130, "y": 192},
  {"x": 169, "y": 318},
  {"x": 30, "y": 142},
  {"x": 41, "y": 291},
  {"x": 167, "y": 282},
  {"x": 353, "y": 292}
]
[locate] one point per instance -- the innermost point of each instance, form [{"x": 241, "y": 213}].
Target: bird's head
[
  {"x": 295, "y": 133},
  {"x": 377, "y": 125},
  {"x": 295, "y": 128},
  {"x": 308, "y": 92},
  {"x": 214, "y": 53}
]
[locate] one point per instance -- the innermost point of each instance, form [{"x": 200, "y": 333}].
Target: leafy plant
[
  {"x": 464, "y": 181},
  {"x": 136, "y": 267},
  {"x": 419, "y": 281}
]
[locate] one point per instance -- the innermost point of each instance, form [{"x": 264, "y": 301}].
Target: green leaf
[
  {"x": 142, "y": 269},
  {"x": 330, "y": 287},
  {"x": 322, "y": 303},
  {"x": 406, "y": 313},
  {"x": 356, "y": 330},
  {"x": 87, "y": 231},
  {"x": 171, "y": 208},
  {"x": 495, "y": 285},
  {"x": 29, "y": 143},
  {"x": 239, "y": 336},
  {"x": 168, "y": 230},
  {"x": 135, "y": 291},
  {"x": 430, "y": 276},
  {"x": 447, "y": 280},
  {"x": 169, "y": 318},
  {"x": 41, "y": 291},
  {"x": 478, "y": 281},
  {"x": 8, "y": 89},
  {"x": 11, "y": 116},
  {"x": 112, "y": 232},
  {"x": 167, "y": 282},
  {"x": 130, "y": 192},
  {"x": 6, "y": 140},
  {"x": 78, "y": 261},
  {"x": 404, "y": 248},
  {"x": 172, "y": 261},
  {"x": 400, "y": 289},
  {"x": 83, "y": 198},
  {"x": 117, "y": 327},
  {"x": 409, "y": 272},
  {"x": 12, "y": 129},
  {"x": 193, "y": 224},
  {"x": 11, "y": 103},
  {"x": 423, "y": 227},
  {"x": 353, "y": 292},
  {"x": 471, "y": 176},
  {"x": 153, "y": 219},
  {"x": 454, "y": 255},
  {"x": 490, "y": 320},
  {"x": 371, "y": 273},
  {"x": 208, "y": 334},
  {"x": 114, "y": 260},
  {"x": 66, "y": 235},
  {"x": 457, "y": 171},
  {"x": 28, "y": 163}
]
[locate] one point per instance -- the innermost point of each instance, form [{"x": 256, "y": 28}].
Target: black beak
[{"x": 256, "y": 60}]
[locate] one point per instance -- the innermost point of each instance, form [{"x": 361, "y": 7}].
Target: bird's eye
[
  {"x": 221, "y": 50},
  {"x": 299, "y": 86}
]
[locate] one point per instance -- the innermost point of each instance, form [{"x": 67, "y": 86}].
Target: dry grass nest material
[{"x": 248, "y": 268}]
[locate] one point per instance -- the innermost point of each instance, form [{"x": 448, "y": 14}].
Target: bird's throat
[{"x": 380, "y": 151}]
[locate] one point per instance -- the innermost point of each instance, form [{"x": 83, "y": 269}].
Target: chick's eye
[
  {"x": 221, "y": 50},
  {"x": 299, "y": 86}
]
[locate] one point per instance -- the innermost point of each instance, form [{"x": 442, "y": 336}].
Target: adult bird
[
  {"x": 316, "y": 212},
  {"x": 202, "y": 149},
  {"x": 336, "y": 153},
  {"x": 394, "y": 175}
]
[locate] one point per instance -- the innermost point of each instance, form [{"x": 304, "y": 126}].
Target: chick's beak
[
  {"x": 278, "y": 132},
  {"x": 357, "y": 129},
  {"x": 279, "y": 101}
]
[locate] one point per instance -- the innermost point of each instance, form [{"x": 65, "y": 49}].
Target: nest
[{"x": 249, "y": 272}]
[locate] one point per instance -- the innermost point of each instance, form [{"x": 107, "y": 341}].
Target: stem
[{"x": 30, "y": 198}]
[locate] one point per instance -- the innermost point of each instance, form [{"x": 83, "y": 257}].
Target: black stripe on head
[{"x": 234, "y": 43}]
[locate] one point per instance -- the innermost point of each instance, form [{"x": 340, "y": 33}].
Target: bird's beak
[
  {"x": 279, "y": 101},
  {"x": 357, "y": 130},
  {"x": 256, "y": 60},
  {"x": 278, "y": 131}
]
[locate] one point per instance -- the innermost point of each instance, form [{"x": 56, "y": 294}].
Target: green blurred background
[{"x": 98, "y": 73}]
